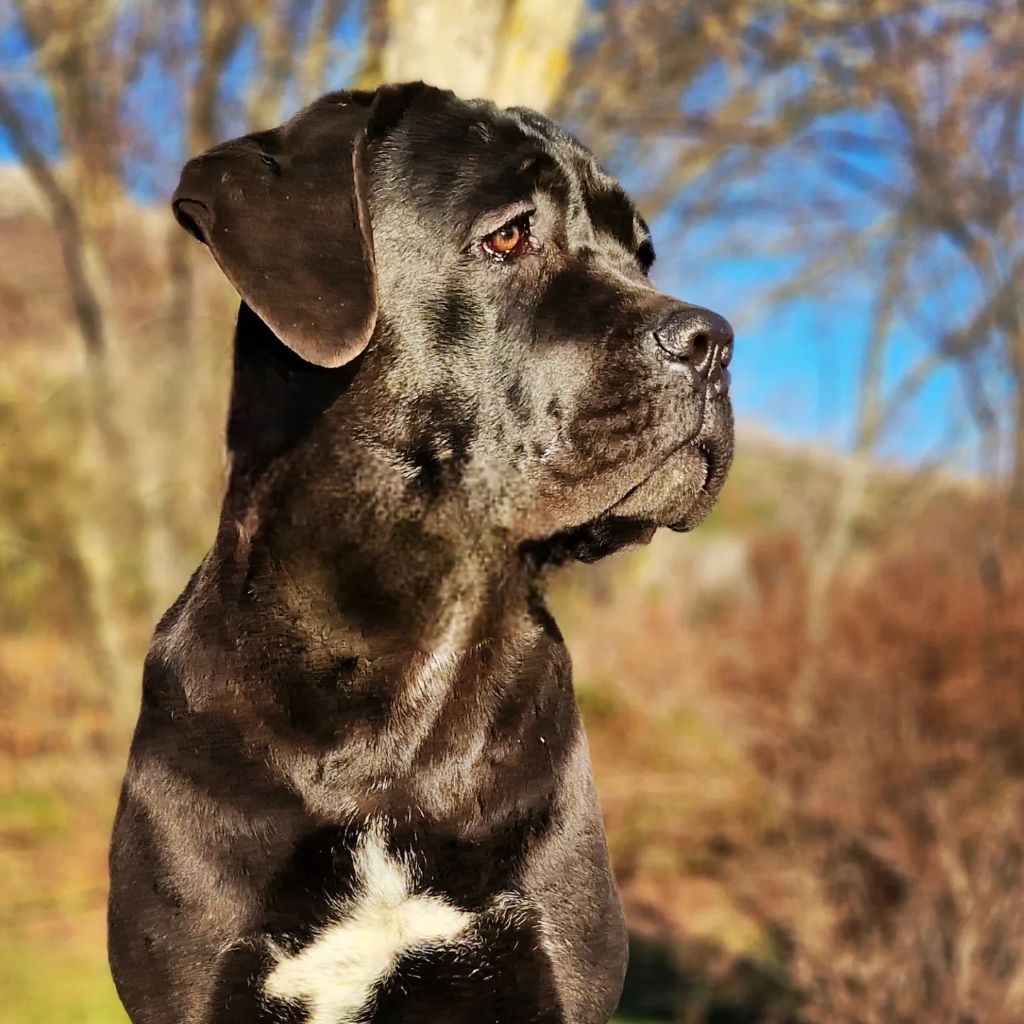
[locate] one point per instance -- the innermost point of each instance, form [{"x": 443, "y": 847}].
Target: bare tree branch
[{"x": 88, "y": 314}]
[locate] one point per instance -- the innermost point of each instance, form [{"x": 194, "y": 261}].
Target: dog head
[{"x": 481, "y": 286}]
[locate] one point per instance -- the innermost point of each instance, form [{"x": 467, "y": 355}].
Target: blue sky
[{"x": 796, "y": 367}]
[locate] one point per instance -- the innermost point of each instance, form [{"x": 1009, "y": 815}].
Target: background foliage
[{"x": 807, "y": 719}]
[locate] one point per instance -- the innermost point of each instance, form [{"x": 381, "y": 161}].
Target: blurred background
[{"x": 807, "y": 718}]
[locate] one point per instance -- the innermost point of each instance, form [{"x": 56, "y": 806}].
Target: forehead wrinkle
[
  {"x": 527, "y": 170},
  {"x": 588, "y": 183},
  {"x": 504, "y": 165},
  {"x": 568, "y": 160},
  {"x": 519, "y": 153}
]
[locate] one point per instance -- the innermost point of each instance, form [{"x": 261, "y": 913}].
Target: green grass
[
  {"x": 33, "y": 813},
  {"x": 56, "y": 983}
]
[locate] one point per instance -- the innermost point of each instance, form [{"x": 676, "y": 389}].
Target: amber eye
[{"x": 509, "y": 240}]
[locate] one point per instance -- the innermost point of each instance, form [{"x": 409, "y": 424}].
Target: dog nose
[{"x": 701, "y": 339}]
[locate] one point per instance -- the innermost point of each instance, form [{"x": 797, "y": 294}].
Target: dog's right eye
[
  {"x": 505, "y": 239},
  {"x": 510, "y": 240}
]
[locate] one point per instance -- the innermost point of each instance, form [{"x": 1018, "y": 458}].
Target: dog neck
[{"x": 329, "y": 532}]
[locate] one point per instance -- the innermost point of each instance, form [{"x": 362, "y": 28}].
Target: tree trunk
[{"x": 514, "y": 52}]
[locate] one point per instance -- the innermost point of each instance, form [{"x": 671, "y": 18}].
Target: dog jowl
[{"x": 359, "y": 790}]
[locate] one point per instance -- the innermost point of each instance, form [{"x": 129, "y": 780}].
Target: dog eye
[
  {"x": 505, "y": 239},
  {"x": 510, "y": 240}
]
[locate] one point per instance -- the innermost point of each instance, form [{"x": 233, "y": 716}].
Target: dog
[{"x": 359, "y": 789}]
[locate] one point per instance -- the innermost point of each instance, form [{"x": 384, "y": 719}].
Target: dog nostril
[
  {"x": 726, "y": 355},
  {"x": 699, "y": 345}
]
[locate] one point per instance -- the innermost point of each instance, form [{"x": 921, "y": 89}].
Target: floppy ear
[{"x": 284, "y": 213}]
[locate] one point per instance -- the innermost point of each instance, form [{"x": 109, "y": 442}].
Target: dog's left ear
[{"x": 285, "y": 214}]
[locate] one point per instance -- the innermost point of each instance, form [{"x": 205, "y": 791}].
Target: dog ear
[{"x": 285, "y": 214}]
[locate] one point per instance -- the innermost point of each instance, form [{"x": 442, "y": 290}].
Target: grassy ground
[
  {"x": 58, "y": 975},
  {"x": 52, "y": 946}
]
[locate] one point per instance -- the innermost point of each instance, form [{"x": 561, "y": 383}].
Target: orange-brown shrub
[{"x": 897, "y": 871}]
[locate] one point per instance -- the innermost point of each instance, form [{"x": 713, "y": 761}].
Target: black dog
[{"x": 359, "y": 789}]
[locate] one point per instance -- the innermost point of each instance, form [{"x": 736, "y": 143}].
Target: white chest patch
[{"x": 336, "y": 973}]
